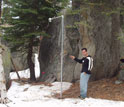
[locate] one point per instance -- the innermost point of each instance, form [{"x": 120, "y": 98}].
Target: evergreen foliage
[{"x": 28, "y": 19}]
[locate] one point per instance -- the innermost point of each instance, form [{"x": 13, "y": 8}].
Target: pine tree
[{"x": 28, "y": 20}]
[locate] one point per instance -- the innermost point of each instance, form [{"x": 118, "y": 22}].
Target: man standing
[{"x": 87, "y": 64}]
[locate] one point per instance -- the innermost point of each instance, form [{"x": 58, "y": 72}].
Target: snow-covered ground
[{"x": 27, "y": 95}]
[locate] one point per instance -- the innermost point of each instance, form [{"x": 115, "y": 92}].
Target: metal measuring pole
[{"x": 62, "y": 47}]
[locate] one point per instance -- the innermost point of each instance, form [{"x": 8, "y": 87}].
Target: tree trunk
[
  {"x": 30, "y": 62},
  {"x": 3, "y": 94},
  {"x": 0, "y": 9}
]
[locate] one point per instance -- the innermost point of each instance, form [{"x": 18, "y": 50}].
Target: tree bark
[
  {"x": 3, "y": 93},
  {"x": 0, "y": 9},
  {"x": 30, "y": 61}
]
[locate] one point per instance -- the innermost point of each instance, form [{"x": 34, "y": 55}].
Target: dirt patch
[
  {"x": 103, "y": 89},
  {"x": 25, "y": 81},
  {"x": 42, "y": 83}
]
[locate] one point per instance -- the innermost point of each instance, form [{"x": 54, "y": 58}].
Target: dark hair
[{"x": 84, "y": 49}]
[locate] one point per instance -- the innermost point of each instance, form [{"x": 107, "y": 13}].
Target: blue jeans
[{"x": 84, "y": 78}]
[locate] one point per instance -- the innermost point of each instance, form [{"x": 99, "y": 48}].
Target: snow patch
[{"x": 27, "y": 95}]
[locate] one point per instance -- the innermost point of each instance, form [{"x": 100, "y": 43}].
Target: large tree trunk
[
  {"x": 30, "y": 61},
  {"x": 3, "y": 93}
]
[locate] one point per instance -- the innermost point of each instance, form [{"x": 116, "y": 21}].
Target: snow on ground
[{"x": 27, "y": 95}]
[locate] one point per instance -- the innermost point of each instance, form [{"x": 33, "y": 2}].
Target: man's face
[{"x": 84, "y": 52}]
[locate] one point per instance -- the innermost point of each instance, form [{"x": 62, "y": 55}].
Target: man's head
[{"x": 84, "y": 51}]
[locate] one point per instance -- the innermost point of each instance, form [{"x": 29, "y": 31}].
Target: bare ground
[{"x": 103, "y": 89}]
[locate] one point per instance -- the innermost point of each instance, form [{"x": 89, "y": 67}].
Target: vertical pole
[{"x": 62, "y": 46}]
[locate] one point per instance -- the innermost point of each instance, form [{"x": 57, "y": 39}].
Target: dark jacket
[{"x": 85, "y": 61}]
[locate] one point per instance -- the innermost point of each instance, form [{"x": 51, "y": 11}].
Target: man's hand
[{"x": 72, "y": 57}]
